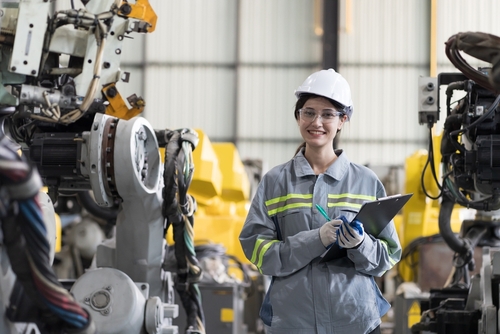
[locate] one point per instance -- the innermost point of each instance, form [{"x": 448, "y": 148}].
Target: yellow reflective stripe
[
  {"x": 386, "y": 246},
  {"x": 255, "y": 248},
  {"x": 355, "y": 196},
  {"x": 284, "y": 198},
  {"x": 352, "y": 205},
  {"x": 289, "y": 206},
  {"x": 263, "y": 251},
  {"x": 354, "y": 201},
  {"x": 260, "y": 248},
  {"x": 290, "y": 201}
]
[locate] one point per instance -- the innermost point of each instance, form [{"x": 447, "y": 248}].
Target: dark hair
[{"x": 300, "y": 103}]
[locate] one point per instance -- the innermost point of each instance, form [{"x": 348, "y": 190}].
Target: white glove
[
  {"x": 328, "y": 232},
  {"x": 350, "y": 236}
]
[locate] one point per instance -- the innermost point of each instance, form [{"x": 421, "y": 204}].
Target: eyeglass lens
[{"x": 326, "y": 115}]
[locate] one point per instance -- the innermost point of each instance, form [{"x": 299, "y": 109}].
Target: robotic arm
[
  {"x": 59, "y": 102},
  {"x": 470, "y": 150}
]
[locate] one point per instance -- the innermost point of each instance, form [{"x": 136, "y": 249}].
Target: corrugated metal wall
[
  {"x": 383, "y": 49},
  {"x": 230, "y": 67}
]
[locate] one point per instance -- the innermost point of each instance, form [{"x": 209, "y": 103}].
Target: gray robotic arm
[{"x": 72, "y": 124}]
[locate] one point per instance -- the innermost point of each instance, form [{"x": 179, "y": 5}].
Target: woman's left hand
[{"x": 350, "y": 235}]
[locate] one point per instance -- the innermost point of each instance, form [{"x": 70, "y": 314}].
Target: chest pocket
[
  {"x": 291, "y": 213},
  {"x": 294, "y": 221}
]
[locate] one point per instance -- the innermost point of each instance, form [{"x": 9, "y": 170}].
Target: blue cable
[
  {"x": 75, "y": 320},
  {"x": 30, "y": 211},
  {"x": 35, "y": 222}
]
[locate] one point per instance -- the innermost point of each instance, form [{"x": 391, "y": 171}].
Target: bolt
[
  {"x": 96, "y": 126},
  {"x": 33, "y": 72},
  {"x": 13, "y": 68},
  {"x": 106, "y": 64},
  {"x": 126, "y": 9},
  {"x": 118, "y": 51},
  {"x": 112, "y": 92}
]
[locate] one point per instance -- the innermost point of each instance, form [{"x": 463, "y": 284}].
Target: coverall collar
[{"x": 336, "y": 170}]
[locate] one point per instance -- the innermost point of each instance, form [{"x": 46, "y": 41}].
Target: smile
[{"x": 316, "y": 132}]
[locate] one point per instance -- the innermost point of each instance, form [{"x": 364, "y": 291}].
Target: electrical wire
[
  {"x": 31, "y": 244},
  {"x": 80, "y": 18},
  {"x": 489, "y": 111},
  {"x": 430, "y": 162},
  {"x": 178, "y": 208}
]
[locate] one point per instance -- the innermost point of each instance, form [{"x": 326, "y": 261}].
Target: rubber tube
[{"x": 456, "y": 244}]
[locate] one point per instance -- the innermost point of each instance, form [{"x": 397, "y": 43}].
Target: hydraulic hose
[
  {"x": 458, "y": 245},
  {"x": 91, "y": 206}
]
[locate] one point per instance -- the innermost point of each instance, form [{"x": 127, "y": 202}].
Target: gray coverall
[{"x": 281, "y": 238}]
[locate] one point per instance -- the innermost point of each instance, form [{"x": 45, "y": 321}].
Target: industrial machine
[
  {"x": 470, "y": 178},
  {"x": 64, "y": 125}
]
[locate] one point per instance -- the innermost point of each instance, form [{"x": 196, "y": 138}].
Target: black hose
[
  {"x": 456, "y": 244},
  {"x": 86, "y": 200}
]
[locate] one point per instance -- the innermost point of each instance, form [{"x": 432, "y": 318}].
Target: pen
[{"x": 323, "y": 212}]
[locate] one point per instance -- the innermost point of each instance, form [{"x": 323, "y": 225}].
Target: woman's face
[{"x": 317, "y": 134}]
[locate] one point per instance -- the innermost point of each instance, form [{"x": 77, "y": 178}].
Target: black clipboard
[{"x": 375, "y": 216}]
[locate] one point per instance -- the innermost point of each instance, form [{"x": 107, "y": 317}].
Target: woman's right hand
[{"x": 328, "y": 232}]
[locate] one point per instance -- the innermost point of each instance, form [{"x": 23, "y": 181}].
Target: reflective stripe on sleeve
[
  {"x": 386, "y": 246},
  {"x": 260, "y": 248},
  {"x": 290, "y": 201}
]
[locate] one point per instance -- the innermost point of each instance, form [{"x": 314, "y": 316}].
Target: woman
[{"x": 285, "y": 234}]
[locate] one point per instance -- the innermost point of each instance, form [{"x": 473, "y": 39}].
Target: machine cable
[
  {"x": 37, "y": 293},
  {"x": 408, "y": 255},
  {"x": 101, "y": 24},
  {"x": 178, "y": 209},
  {"x": 430, "y": 163}
]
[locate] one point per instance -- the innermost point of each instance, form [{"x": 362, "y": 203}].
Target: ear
[{"x": 342, "y": 121}]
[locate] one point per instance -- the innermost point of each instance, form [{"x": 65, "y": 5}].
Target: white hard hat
[{"x": 329, "y": 84}]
